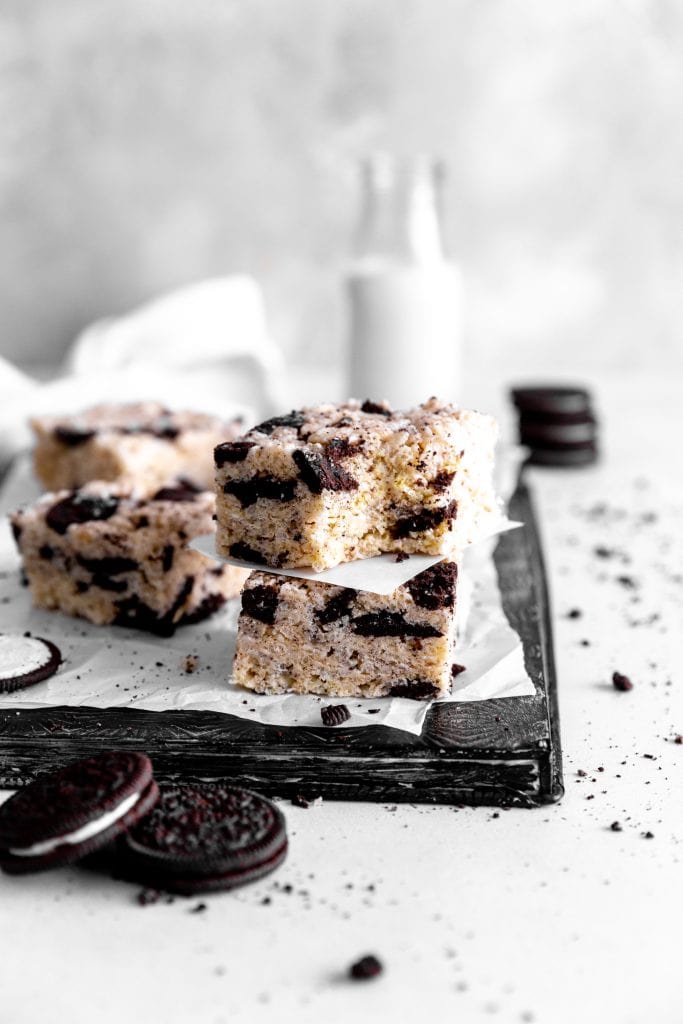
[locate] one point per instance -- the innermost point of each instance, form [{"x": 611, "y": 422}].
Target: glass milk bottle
[{"x": 405, "y": 296}]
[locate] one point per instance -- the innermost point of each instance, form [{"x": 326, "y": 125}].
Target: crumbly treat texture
[
  {"x": 141, "y": 445},
  {"x": 298, "y": 636},
  {"x": 109, "y": 557},
  {"x": 326, "y": 485}
]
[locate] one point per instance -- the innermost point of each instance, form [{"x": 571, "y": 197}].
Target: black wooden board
[{"x": 498, "y": 752}]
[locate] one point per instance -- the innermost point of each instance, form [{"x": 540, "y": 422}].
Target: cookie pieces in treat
[
  {"x": 300, "y": 636},
  {"x": 67, "y": 814},
  {"x": 111, "y": 558},
  {"x": 335, "y": 483},
  {"x": 142, "y": 444}
]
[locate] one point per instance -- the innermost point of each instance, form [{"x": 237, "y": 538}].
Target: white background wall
[{"x": 146, "y": 143}]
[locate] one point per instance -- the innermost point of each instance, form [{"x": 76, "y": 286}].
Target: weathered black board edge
[{"x": 498, "y": 753}]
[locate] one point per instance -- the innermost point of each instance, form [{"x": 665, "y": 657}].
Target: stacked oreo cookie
[
  {"x": 185, "y": 839},
  {"x": 558, "y": 425}
]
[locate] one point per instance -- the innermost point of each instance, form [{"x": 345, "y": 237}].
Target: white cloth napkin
[{"x": 205, "y": 347}]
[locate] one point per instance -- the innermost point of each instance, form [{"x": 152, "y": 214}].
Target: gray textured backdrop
[{"x": 145, "y": 144}]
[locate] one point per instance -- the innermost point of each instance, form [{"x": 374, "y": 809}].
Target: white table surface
[{"x": 526, "y": 915}]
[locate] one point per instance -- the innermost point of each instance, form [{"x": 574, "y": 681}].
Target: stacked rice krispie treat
[
  {"x": 129, "y": 487},
  {"x": 327, "y": 485}
]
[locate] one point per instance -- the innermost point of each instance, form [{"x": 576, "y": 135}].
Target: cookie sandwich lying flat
[
  {"x": 64, "y": 815},
  {"x": 205, "y": 838}
]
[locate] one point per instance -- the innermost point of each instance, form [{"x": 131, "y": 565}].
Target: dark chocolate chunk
[
  {"x": 321, "y": 473},
  {"x": 141, "y": 522},
  {"x": 435, "y": 587},
  {"x": 80, "y": 508},
  {"x": 365, "y": 968},
  {"x": 72, "y": 437},
  {"x": 249, "y": 491},
  {"x": 46, "y": 552},
  {"x": 291, "y": 419},
  {"x": 232, "y": 451},
  {"x": 205, "y": 608},
  {"x": 135, "y": 613},
  {"x": 342, "y": 448},
  {"x": 182, "y": 491},
  {"x": 374, "y": 408},
  {"x": 621, "y": 683},
  {"x": 391, "y": 624},
  {"x": 167, "y": 557},
  {"x": 337, "y": 607},
  {"x": 414, "y": 689},
  {"x": 241, "y": 550},
  {"x": 260, "y": 603},
  {"x": 335, "y": 714},
  {"x": 442, "y": 481},
  {"x": 423, "y": 519},
  {"x": 164, "y": 428},
  {"x": 111, "y": 566},
  {"x": 457, "y": 669},
  {"x": 107, "y": 583}
]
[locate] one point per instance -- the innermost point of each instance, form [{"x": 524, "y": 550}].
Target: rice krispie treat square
[
  {"x": 141, "y": 445},
  {"x": 109, "y": 557},
  {"x": 298, "y": 636},
  {"x": 335, "y": 483}
]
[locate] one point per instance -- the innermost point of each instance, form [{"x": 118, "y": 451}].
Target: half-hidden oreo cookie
[
  {"x": 549, "y": 431},
  {"x": 563, "y": 456},
  {"x": 67, "y": 814},
  {"x": 25, "y": 660},
  {"x": 204, "y": 838}
]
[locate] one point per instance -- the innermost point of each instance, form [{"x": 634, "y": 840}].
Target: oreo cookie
[
  {"x": 67, "y": 814},
  {"x": 25, "y": 660},
  {"x": 557, "y": 424},
  {"x": 552, "y": 400},
  {"x": 205, "y": 838}
]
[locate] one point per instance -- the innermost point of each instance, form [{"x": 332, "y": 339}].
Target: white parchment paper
[{"x": 117, "y": 667}]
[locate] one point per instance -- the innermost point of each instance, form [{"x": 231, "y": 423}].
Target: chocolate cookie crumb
[
  {"x": 365, "y": 968},
  {"x": 391, "y": 624},
  {"x": 435, "y": 587},
  {"x": 335, "y": 714},
  {"x": 402, "y": 556},
  {"x": 375, "y": 408},
  {"x": 320, "y": 473},
  {"x": 190, "y": 663},
  {"x": 299, "y": 800},
  {"x": 457, "y": 669},
  {"x": 648, "y": 835},
  {"x": 337, "y": 607},
  {"x": 616, "y": 826},
  {"x": 678, "y": 739},
  {"x": 621, "y": 683},
  {"x": 260, "y": 603},
  {"x": 574, "y": 613},
  {"x": 146, "y": 897}
]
